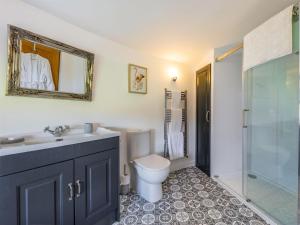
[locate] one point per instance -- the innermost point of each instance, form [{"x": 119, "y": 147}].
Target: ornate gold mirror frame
[{"x": 15, "y": 35}]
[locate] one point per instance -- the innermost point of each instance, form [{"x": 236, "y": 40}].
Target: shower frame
[{"x": 245, "y": 110}]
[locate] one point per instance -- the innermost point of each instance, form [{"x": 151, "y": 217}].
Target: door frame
[{"x": 207, "y": 68}]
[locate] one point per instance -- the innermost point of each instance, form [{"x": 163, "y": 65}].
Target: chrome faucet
[{"x": 58, "y": 131}]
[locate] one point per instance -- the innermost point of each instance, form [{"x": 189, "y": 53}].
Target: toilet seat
[{"x": 153, "y": 163}]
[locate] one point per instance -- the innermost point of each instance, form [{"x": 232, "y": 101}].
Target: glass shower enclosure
[
  {"x": 266, "y": 171},
  {"x": 271, "y": 136}
]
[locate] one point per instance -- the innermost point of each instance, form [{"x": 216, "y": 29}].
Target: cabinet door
[
  {"x": 39, "y": 196},
  {"x": 98, "y": 196}
]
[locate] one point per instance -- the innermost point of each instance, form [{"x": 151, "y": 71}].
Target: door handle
[
  {"x": 71, "y": 191},
  {"x": 244, "y": 118},
  {"x": 78, "y": 188},
  {"x": 207, "y": 116}
]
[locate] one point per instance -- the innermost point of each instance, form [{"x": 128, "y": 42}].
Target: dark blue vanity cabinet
[{"x": 79, "y": 189}]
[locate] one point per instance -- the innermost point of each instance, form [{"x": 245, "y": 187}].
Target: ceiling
[{"x": 180, "y": 30}]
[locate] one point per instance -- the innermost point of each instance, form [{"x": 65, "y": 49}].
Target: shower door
[{"x": 271, "y": 137}]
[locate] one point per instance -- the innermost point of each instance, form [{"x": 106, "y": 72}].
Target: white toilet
[{"x": 149, "y": 170}]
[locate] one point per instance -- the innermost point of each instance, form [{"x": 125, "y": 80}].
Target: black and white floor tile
[{"x": 190, "y": 198}]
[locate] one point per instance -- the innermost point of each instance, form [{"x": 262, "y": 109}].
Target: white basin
[
  {"x": 32, "y": 141},
  {"x": 40, "y": 141},
  {"x": 75, "y": 136}
]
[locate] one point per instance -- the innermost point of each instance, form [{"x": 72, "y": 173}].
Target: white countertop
[{"x": 41, "y": 141}]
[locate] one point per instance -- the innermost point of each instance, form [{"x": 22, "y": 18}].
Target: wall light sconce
[
  {"x": 174, "y": 78},
  {"x": 173, "y": 72}
]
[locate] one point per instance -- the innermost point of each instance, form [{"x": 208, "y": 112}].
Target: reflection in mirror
[
  {"x": 72, "y": 74},
  {"x": 46, "y": 68}
]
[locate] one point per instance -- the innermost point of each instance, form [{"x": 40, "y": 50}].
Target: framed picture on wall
[{"x": 137, "y": 79}]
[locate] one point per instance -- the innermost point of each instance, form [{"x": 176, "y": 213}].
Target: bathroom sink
[
  {"x": 76, "y": 136},
  {"x": 45, "y": 140},
  {"x": 31, "y": 141},
  {"x": 41, "y": 140},
  {"x": 37, "y": 142}
]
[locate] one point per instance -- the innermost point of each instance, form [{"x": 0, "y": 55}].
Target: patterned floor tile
[{"x": 190, "y": 198}]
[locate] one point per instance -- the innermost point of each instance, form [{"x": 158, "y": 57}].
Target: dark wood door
[
  {"x": 203, "y": 89},
  {"x": 38, "y": 197},
  {"x": 97, "y": 181}
]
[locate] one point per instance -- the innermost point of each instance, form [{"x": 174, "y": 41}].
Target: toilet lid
[{"x": 153, "y": 162}]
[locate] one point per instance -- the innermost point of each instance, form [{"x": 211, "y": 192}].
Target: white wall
[
  {"x": 112, "y": 105},
  {"x": 226, "y": 137},
  {"x": 208, "y": 58}
]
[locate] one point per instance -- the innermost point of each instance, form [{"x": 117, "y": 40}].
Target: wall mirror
[{"x": 41, "y": 67}]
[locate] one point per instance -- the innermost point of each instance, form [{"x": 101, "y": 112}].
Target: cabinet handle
[
  {"x": 207, "y": 116},
  {"x": 78, "y": 184},
  {"x": 71, "y": 191},
  {"x": 245, "y": 118}
]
